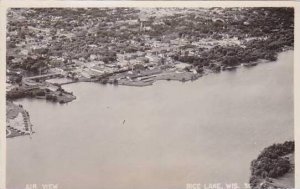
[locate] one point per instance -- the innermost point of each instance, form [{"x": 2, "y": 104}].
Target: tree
[{"x": 230, "y": 61}]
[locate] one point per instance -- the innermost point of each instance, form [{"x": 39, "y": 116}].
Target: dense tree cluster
[
  {"x": 271, "y": 162},
  {"x": 22, "y": 92},
  {"x": 51, "y": 97}
]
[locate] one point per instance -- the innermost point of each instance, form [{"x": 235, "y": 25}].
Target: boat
[
  {"x": 231, "y": 68},
  {"x": 250, "y": 64}
]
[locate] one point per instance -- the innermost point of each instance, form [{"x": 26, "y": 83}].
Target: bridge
[{"x": 44, "y": 77}]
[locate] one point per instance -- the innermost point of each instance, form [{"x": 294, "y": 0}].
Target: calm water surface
[{"x": 206, "y": 131}]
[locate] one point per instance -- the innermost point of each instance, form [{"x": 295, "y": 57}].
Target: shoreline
[
  {"x": 140, "y": 81},
  {"x": 182, "y": 76}
]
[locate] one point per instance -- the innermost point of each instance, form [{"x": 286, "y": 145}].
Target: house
[
  {"x": 182, "y": 66},
  {"x": 57, "y": 70}
]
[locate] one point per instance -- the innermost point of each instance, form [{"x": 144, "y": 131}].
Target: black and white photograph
[{"x": 150, "y": 97}]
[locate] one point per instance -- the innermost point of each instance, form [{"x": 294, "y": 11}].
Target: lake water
[{"x": 205, "y": 131}]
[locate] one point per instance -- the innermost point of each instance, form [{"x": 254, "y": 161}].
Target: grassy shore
[{"x": 17, "y": 121}]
